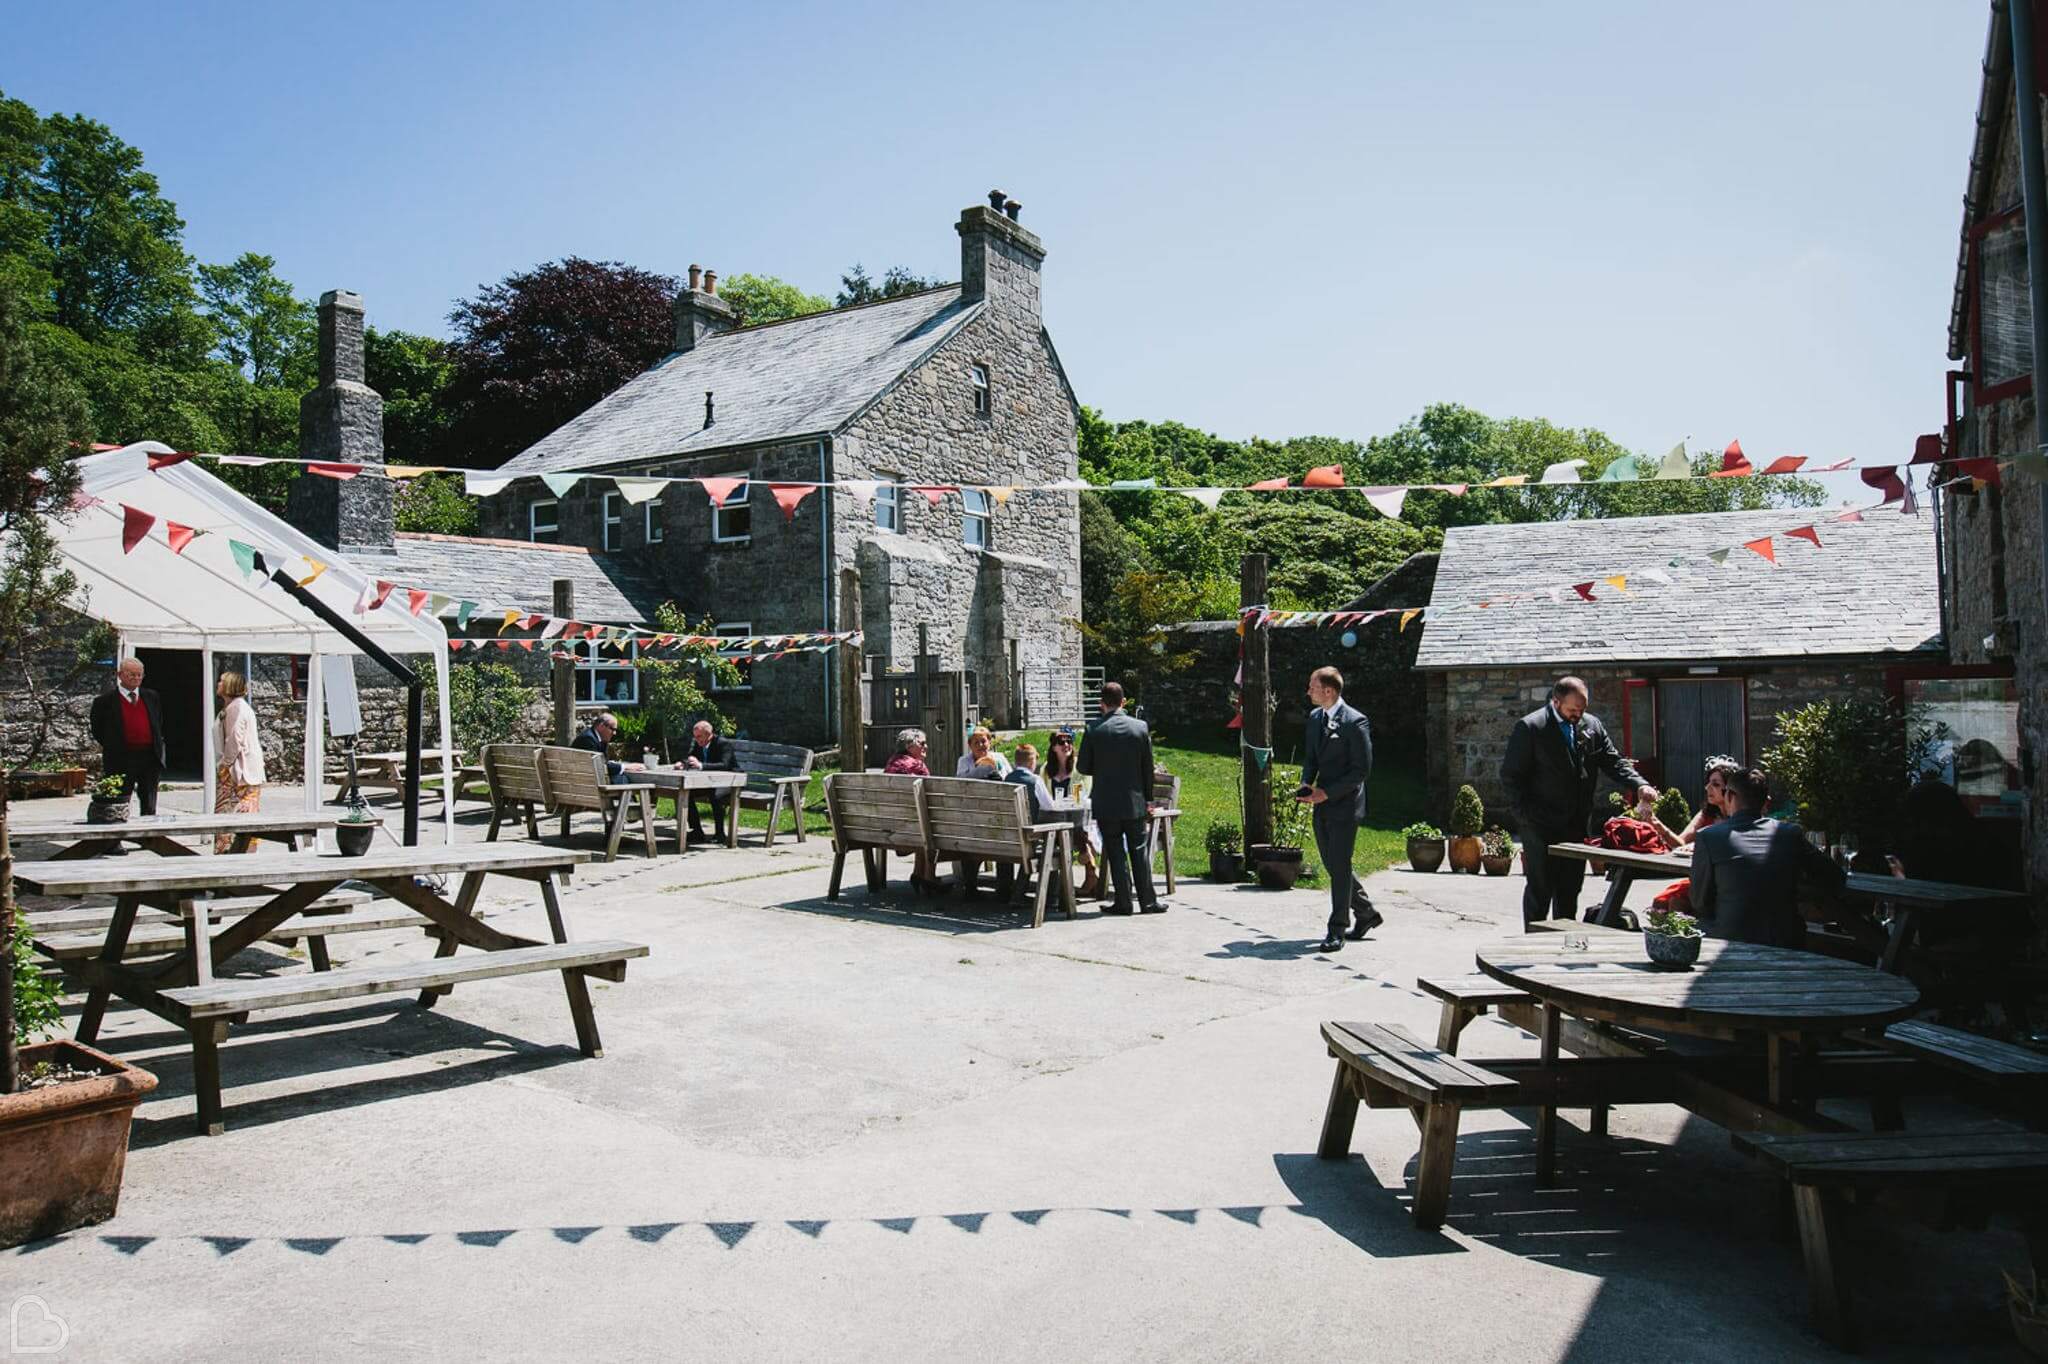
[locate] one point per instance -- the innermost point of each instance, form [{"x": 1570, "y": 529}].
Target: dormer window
[
  {"x": 978, "y": 376},
  {"x": 542, "y": 523}
]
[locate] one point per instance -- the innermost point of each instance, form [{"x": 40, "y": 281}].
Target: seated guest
[
  {"x": 1718, "y": 769},
  {"x": 1747, "y": 869},
  {"x": 598, "y": 738},
  {"x": 1066, "y": 784},
  {"x": 981, "y": 758},
  {"x": 908, "y": 761},
  {"x": 709, "y": 753},
  {"x": 1025, "y": 774}
]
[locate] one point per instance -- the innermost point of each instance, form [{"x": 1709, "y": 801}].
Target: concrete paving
[{"x": 894, "y": 1130}]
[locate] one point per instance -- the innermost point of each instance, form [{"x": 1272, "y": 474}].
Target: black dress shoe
[
  {"x": 1116, "y": 909},
  {"x": 1155, "y": 908},
  {"x": 1368, "y": 920},
  {"x": 1333, "y": 943}
]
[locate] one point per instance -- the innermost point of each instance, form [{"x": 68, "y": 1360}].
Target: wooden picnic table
[
  {"x": 183, "y": 988},
  {"x": 159, "y": 833},
  {"x": 682, "y": 781},
  {"x": 386, "y": 771}
]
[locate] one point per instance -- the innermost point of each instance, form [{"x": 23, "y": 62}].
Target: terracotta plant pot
[
  {"x": 1425, "y": 854},
  {"x": 1466, "y": 850},
  {"x": 62, "y": 781},
  {"x": 354, "y": 839},
  {"x": 1277, "y": 868},
  {"x": 1497, "y": 866},
  {"x": 63, "y": 1148},
  {"x": 1226, "y": 867}
]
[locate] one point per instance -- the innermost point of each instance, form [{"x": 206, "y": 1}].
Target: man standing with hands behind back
[
  {"x": 1336, "y": 765},
  {"x": 1554, "y": 760},
  {"x": 128, "y": 722},
  {"x": 1118, "y": 755}
]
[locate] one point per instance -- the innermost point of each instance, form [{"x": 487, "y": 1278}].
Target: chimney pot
[
  {"x": 696, "y": 277},
  {"x": 995, "y": 199},
  {"x": 711, "y": 282},
  {"x": 707, "y": 409},
  {"x": 1011, "y": 208}
]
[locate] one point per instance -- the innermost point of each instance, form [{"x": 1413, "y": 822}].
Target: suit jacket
[
  {"x": 1338, "y": 756},
  {"x": 106, "y": 721},
  {"x": 1117, "y": 753},
  {"x": 1746, "y": 873},
  {"x": 1550, "y": 784},
  {"x": 590, "y": 743},
  {"x": 715, "y": 756}
]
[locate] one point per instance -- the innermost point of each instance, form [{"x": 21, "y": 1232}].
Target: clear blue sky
[{"x": 1735, "y": 219}]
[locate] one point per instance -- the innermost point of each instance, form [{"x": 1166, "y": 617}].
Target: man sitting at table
[
  {"x": 709, "y": 753},
  {"x": 598, "y": 738},
  {"x": 1747, "y": 869}
]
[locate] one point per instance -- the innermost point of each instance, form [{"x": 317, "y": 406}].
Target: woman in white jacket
[{"x": 238, "y": 756}]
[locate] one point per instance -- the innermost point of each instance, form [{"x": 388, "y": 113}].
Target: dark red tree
[{"x": 537, "y": 348}]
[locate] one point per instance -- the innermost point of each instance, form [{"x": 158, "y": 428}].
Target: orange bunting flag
[
  {"x": 502, "y": 643},
  {"x": 1409, "y": 615},
  {"x": 341, "y": 472},
  {"x": 1785, "y": 464},
  {"x": 1271, "y": 485},
  {"x": 415, "y": 598},
  {"x": 135, "y": 524},
  {"x": 720, "y": 488},
  {"x": 179, "y": 536},
  {"x": 1324, "y": 476},
  {"x": 317, "y": 567},
  {"x": 1850, "y": 515},
  {"x": 1804, "y": 533},
  {"x": 1734, "y": 464},
  {"x": 455, "y": 646},
  {"x": 1585, "y": 591},
  {"x": 526, "y": 644},
  {"x": 787, "y": 495},
  {"x": 1763, "y": 548},
  {"x": 1619, "y": 582}
]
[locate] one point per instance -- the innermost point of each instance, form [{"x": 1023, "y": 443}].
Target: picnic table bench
[
  {"x": 873, "y": 814},
  {"x": 683, "y": 780},
  {"x": 386, "y": 771},
  {"x": 576, "y": 779},
  {"x": 159, "y": 833},
  {"x": 777, "y": 775},
  {"x": 183, "y": 989}
]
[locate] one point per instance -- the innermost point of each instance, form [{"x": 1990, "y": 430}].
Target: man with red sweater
[{"x": 128, "y": 722}]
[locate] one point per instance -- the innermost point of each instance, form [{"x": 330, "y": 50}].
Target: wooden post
[
  {"x": 10, "y": 1064},
  {"x": 853, "y": 734},
  {"x": 1258, "y": 710},
  {"x": 563, "y": 680}
]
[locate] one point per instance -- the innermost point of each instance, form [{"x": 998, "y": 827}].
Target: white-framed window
[
  {"x": 733, "y": 523},
  {"x": 655, "y": 527},
  {"x": 605, "y": 676},
  {"x": 736, "y": 629},
  {"x": 614, "y": 521},
  {"x": 889, "y": 502},
  {"x": 542, "y": 520},
  {"x": 978, "y": 377},
  {"x": 976, "y": 514}
]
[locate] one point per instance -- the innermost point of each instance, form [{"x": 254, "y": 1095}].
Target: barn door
[{"x": 1698, "y": 718}]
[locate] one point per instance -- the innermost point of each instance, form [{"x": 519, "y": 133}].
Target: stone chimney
[
  {"x": 342, "y": 420},
  {"x": 1000, "y": 259},
  {"x": 700, "y": 312}
]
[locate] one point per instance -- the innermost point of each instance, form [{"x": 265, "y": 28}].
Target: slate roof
[
  {"x": 1871, "y": 589},
  {"x": 509, "y": 573},
  {"x": 805, "y": 376}
]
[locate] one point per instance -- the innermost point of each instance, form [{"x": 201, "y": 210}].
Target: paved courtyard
[{"x": 879, "y": 1130}]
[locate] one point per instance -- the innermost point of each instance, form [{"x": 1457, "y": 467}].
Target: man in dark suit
[
  {"x": 598, "y": 738},
  {"x": 1336, "y": 765},
  {"x": 1747, "y": 869},
  {"x": 709, "y": 753},
  {"x": 1554, "y": 760},
  {"x": 128, "y": 723},
  {"x": 1118, "y": 755}
]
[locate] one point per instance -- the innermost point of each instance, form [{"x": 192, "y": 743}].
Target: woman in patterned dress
[{"x": 238, "y": 756}]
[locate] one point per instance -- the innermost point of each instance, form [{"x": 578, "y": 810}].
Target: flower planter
[
  {"x": 106, "y": 812},
  {"x": 61, "y": 781},
  {"x": 1226, "y": 867},
  {"x": 63, "y": 1147},
  {"x": 1278, "y": 868},
  {"x": 1426, "y": 854},
  {"x": 354, "y": 839},
  {"x": 1497, "y": 866},
  {"x": 1466, "y": 850},
  {"x": 1672, "y": 950}
]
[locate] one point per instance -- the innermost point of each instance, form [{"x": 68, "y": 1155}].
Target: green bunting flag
[
  {"x": 245, "y": 556},
  {"x": 1622, "y": 470},
  {"x": 463, "y": 611}
]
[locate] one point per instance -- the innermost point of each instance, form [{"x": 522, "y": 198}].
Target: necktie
[{"x": 1571, "y": 738}]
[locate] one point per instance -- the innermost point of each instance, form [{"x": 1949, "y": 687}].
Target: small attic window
[{"x": 978, "y": 376}]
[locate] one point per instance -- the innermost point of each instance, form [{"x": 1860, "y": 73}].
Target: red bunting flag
[
  {"x": 1850, "y": 515},
  {"x": 1804, "y": 533},
  {"x": 455, "y": 646},
  {"x": 1734, "y": 464},
  {"x": 1785, "y": 464},
  {"x": 165, "y": 461},
  {"x": 1324, "y": 476},
  {"x": 415, "y": 598},
  {"x": 340, "y": 472},
  {"x": 1762, "y": 547},
  {"x": 1837, "y": 465},
  {"x": 526, "y": 644},
  {"x": 720, "y": 488},
  {"x": 1927, "y": 449},
  {"x": 135, "y": 524},
  {"x": 1983, "y": 470},
  {"x": 1585, "y": 591},
  {"x": 787, "y": 495},
  {"x": 1887, "y": 480},
  {"x": 1270, "y": 485},
  {"x": 502, "y": 643},
  {"x": 1236, "y": 721},
  {"x": 383, "y": 591},
  {"x": 934, "y": 493},
  {"x": 82, "y": 499},
  {"x": 179, "y": 536}
]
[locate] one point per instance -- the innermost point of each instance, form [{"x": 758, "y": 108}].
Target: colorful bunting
[
  {"x": 1762, "y": 547},
  {"x": 1734, "y": 464},
  {"x": 787, "y": 495},
  {"x": 1785, "y": 464},
  {"x": 179, "y": 536},
  {"x": 1675, "y": 464},
  {"x": 1621, "y": 470},
  {"x": 341, "y": 473},
  {"x": 1566, "y": 471},
  {"x": 414, "y": 600},
  {"x": 638, "y": 490},
  {"x": 165, "y": 461},
  {"x": 1001, "y": 495},
  {"x": 1386, "y": 501},
  {"x": 317, "y": 567},
  {"x": 560, "y": 484},
  {"x": 135, "y": 524},
  {"x": 1619, "y": 582},
  {"x": 1324, "y": 476},
  {"x": 1804, "y": 533},
  {"x": 484, "y": 485},
  {"x": 463, "y": 611},
  {"x": 1886, "y": 481},
  {"x": 1585, "y": 591},
  {"x": 934, "y": 493},
  {"x": 1407, "y": 616},
  {"x": 1270, "y": 485},
  {"x": 244, "y": 556}
]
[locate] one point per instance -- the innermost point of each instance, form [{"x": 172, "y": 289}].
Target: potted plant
[
  {"x": 1672, "y": 810},
  {"x": 1280, "y": 864},
  {"x": 47, "y": 777},
  {"x": 1497, "y": 852},
  {"x": 355, "y": 830},
  {"x": 1672, "y": 938},
  {"x": 1425, "y": 846},
  {"x": 632, "y": 735},
  {"x": 1226, "y": 863},
  {"x": 107, "y": 801},
  {"x": 1468, "y": 818}
]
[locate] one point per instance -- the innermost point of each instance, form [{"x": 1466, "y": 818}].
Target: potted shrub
[
  {"x": 1496, "y": 852},
  {"x": 1672, "y": 938},
  {"x": 1468, "y": 818},
  {"x": 1280, "y": 864},
  {"x": 1226, "y": 863},
  {"x": 107, "y": 801},
  {"x": 357, "y": 828},
  {"x": 1425, "y": 846},
  {"x": 47, "y": 777},
  {"x": 1672, "y": 810}
]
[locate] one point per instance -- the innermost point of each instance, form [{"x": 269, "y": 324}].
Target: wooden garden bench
[
  {"x": 100, "y": 917},
  {"x": 2009, "y": 1077},
  {"x": 873, "y": 814},
  {"x": 1159, "y": 822},
  {"x": 166, "y": 934},
  {"x": 1385, "y": 1067},
  {"x": 777, "y": 776},
  {"x": 1969, "y": 1174},
  {"x": 512, "y": 772},
  {"x": 972, "y": 820},
  {"x": 575, "y": 779}
]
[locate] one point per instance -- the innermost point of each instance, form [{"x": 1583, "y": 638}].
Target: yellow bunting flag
[
  {"x": 403, "y": 471},
  {"x": 1001, "y": 495},
  {"x": 1619, "y": 582},
  {"x": 512, "y": 616},
  {"x": 1407, "y": 616},
  {"x": 1507, "y": 481},
  {"x": 317, "y": 567}
]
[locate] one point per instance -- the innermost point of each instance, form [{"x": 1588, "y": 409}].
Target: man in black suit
[
  {"x": 598, "y": 738},
  {"x": 1336, "y": 765},
  {"x": 128, "y": 723},
  {"x": 1554, "y": 760},
  {"x": 1118, "y": 755},
  {"x": 709, "y": 753},
  {"x": 1747, "y": 869}
]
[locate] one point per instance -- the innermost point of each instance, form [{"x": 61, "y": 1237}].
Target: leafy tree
[
  {"x": 1129, "y": 638},
  {"x": 675, "y": 688},
  {"x": 764, "y": 298},
  {"x": 855, "y": 286},
  {"x": 24, "y": 248},
  {"x": 433, "y": 504},
  {"x": 413, "y": 373},
  {"x": 487, "y": 702},
  {"x": 1849, "y": 764},
  {"x": 539, "y": 347},
  {"x": 265, "y": 330}
]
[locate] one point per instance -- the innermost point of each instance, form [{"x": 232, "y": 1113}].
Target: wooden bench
[
  {"x": 777, "y": 776},
  {"x": 168, "y": 935},
  {"x": 2010, "y": 1077},
  {"x": 100, "y": 917},
  {"x": 1465, "y": 998},
  {"x": 873, "y": 814},
  {"x": 1969, "y": 1173},
  {"x": 575, "y": 779},
  {"x": 973, "y": 820},
  {"x": 512, "y": 772},
  {"x": 1159, "y": 823},
  {"x": 1385, "y": 1067}
]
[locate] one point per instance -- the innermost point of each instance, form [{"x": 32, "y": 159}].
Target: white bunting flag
[
  {"x": 639, "y": 490},
  {"x": 862, "y": 488},
  {"x": 1566, "y": 471},
  {"x": 1208, "y": 497},
  {"x": 483, "y": 485},
  {"x": 559, "y": 484},
  {"x": 1387, "y": 501},
  {"x": 1675, "y": 464},
  {"x": 1655, "y": 575}
]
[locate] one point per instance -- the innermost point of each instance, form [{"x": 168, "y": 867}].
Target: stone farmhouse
[{"x": 955, "y": 384}]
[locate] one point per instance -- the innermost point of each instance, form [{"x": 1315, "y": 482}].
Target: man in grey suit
[
  {"x": 1117, "y": 754},
  {"x": 1335, "y": 767},
  {"x": 1747, "y": 869}
]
